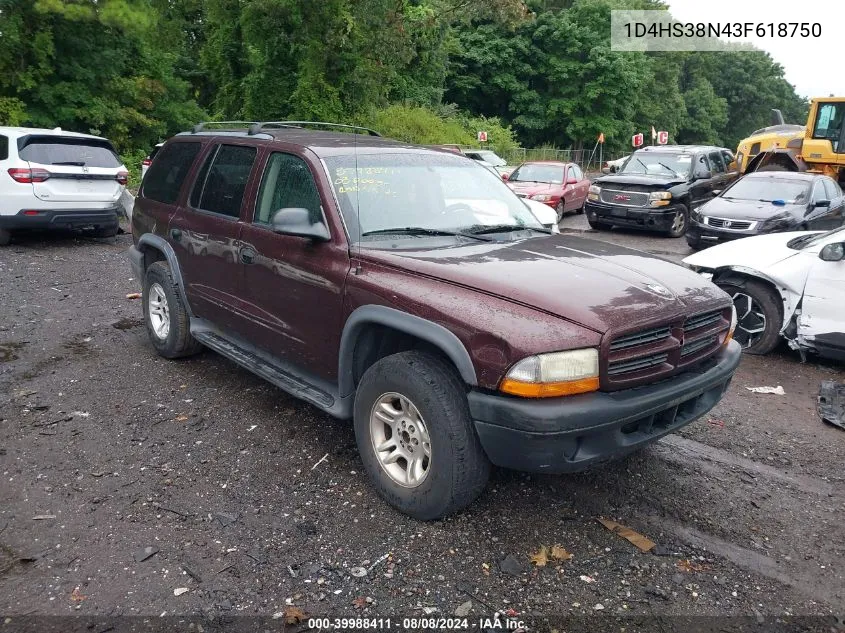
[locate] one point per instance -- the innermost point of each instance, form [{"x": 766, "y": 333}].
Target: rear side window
[
  {"x": 287, "y": 182},
  {"x": 578, "y": 173},
  {"x": 164, "y": 179},
  {"x": 4, "y": 147},
  {"x": 718, "y": 165},
  {"x": 57, "y": 150},
  {"x": 221, "y": 184},
  {"x": 831, "y": 189}
]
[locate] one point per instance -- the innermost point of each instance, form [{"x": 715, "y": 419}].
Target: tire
[
  {"x": 456, "y": 470},
  {"x": 694, "y": 242},
  {"x": 559, "y": 210},
  {"x": 105, "y": 231},
  {"x": 5, "y": 237},
  {"x": 599, "y": 226},
  {"x": 176, "y": 341},
  {"x": 679, "y": 224},
  {"x": 763, "y": 302}
]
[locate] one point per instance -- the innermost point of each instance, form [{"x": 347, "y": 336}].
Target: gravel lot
[{"x": 255, "y": 502}]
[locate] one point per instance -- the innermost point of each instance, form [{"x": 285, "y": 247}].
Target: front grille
[
  {"x": 624, "y": 198},
  {"x": 702, "y": 320},
  {"x": 640, "y": 338},
  {"x": 659, "y": 351},
  {"x": 616, "y": 368},
  {"x": 733, "y": 225},
  {"x": 697, "y": 346}
]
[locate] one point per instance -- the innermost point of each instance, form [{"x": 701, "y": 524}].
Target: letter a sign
[
  {"x": 662, "y": 138},
  {"x": 637, "y": 140}
]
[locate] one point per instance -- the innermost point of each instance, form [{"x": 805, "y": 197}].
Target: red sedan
[{"x": 561, "y": 186}]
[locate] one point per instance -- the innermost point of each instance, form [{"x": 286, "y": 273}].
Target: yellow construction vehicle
[{"x": 817, "y": 147}]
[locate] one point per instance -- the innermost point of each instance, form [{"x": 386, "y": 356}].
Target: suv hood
[
  {"x": 655, "y": 182},
  {"x": 601, "y": 286},
  {"x": 746, "y": 209}
]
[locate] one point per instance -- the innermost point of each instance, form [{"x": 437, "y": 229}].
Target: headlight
[
  {"x": 541, "y": 197},
  {"x": 555, "y": 374},
  {"x": 593, "y": 193},
  {"x": 729, "y": 336},
  {"x": 659, "y": 198}
]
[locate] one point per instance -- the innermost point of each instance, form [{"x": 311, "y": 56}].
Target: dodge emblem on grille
[{"x": 621, "y": 197}]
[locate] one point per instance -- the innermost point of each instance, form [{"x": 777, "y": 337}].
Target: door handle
[
  {"x": 247, "y": 256},
  {"x": 176, "y": 234}
]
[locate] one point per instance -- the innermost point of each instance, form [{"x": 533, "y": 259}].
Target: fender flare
[
  {"x": 150, "y": 240},
  {"x": 429, "y": 331}
]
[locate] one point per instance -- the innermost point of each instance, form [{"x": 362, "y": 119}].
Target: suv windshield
[
  {"x": 657, "y": 164},
  {"x": 768, "y": 189},
  {"x": 536, "y": 172},
  {"x": 428, "y": 193}
]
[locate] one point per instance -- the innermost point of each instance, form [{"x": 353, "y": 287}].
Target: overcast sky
[{"x": 814, "y": 65}]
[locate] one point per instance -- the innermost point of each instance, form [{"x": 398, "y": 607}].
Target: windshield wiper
[
  {"x": 504, "y": 228},
  {"x": 667, "y": 167},
  {"x": 420, "y": 230},
  {"x": 71, "y": 163}
]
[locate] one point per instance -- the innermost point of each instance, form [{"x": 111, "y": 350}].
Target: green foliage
[{"x": 530, "y": 72}]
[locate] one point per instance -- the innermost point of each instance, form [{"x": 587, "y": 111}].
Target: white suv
[{"x": 51, "y": 179}]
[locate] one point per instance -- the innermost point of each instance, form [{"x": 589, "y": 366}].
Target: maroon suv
[{"x": 410, "y": 290}]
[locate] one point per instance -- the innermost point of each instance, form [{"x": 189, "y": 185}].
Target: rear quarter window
[
  {"x": 168, "y": 171},
  {"x": 55, "y": 150},
  {"x": 4, "y": 147}
]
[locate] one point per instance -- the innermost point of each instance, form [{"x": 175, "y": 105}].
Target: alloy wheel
[
  {"x": 159, "y": 311},
  {"x": 400, "y": 439},
  {"x": 750, "y": 320}
]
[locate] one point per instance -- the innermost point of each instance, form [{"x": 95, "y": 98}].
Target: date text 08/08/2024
[{"x": 495, "y": 623}]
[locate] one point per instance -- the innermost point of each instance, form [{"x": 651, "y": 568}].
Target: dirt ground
[{"x": 255, "y": 503}]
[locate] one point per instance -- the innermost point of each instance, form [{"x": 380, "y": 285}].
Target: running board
[{"x": 259, "y": 363}]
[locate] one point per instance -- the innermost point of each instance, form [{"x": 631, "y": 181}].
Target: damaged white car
[{"x": 784, "y": 284}]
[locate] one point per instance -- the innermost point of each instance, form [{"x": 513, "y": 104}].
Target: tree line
[{"x": 532, "y": 72}]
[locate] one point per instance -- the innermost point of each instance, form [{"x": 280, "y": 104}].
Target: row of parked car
[{"x": 409, "y": 290}]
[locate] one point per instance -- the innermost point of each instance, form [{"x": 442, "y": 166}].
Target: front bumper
[
  {"x": 656, "y": 219},
  {"x": 60, "y": 219},
  {"x": 707, "y": 233},
  {"x": 570, "y": 434}
]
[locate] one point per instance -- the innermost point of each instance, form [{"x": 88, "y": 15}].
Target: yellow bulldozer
[{"x": 818, "y": 146}]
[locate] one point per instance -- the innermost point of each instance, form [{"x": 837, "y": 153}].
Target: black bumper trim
[
  {"x": 136, "y": 262},
  {"x": 657, "y": 218},
  {"x": 60, "y": 219},
  {"x": 570, "y": 434}
]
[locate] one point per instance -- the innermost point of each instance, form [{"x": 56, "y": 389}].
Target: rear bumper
[
  {"x": 570, "y": 434},
  {"x": 62, "y": 219},
  {"x": 657, "y": 219}
]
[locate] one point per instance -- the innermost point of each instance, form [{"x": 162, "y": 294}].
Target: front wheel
[
  {"x": 559, "y": 210},
  {"x": 679, "y": 223},
  {"x": 759, "y": 314},
  {"x": 416, "y": 436}
]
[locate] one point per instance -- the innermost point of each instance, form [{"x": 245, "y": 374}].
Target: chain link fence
[{"x": 587, "y": 159}]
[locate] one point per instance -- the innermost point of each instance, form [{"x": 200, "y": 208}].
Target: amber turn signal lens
[{"x": 548, "y": 389}]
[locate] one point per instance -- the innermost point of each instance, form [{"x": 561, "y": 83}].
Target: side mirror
[
  {"x": 702, "y": 173},
  {"x": 296, "y": 221},
  {"x": 505, "y": 177},
  {"x": 571, "y": 181},
  {"x": 821, "y": 203},
  {"x": 613, "y": 169},
  {"x": 833, "y": 252}
]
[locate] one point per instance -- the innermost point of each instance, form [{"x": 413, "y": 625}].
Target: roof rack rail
[
  {"x": 255, "y": 128},
  {"x": 204, "y": 125}
]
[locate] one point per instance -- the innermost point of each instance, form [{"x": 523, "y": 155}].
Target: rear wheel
[
  {"x": 598, "y": 226},
  {"x": 5, "y": 237},
  {"x": 416, "y": 437},
  {"x": 759, "y": 315}
]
